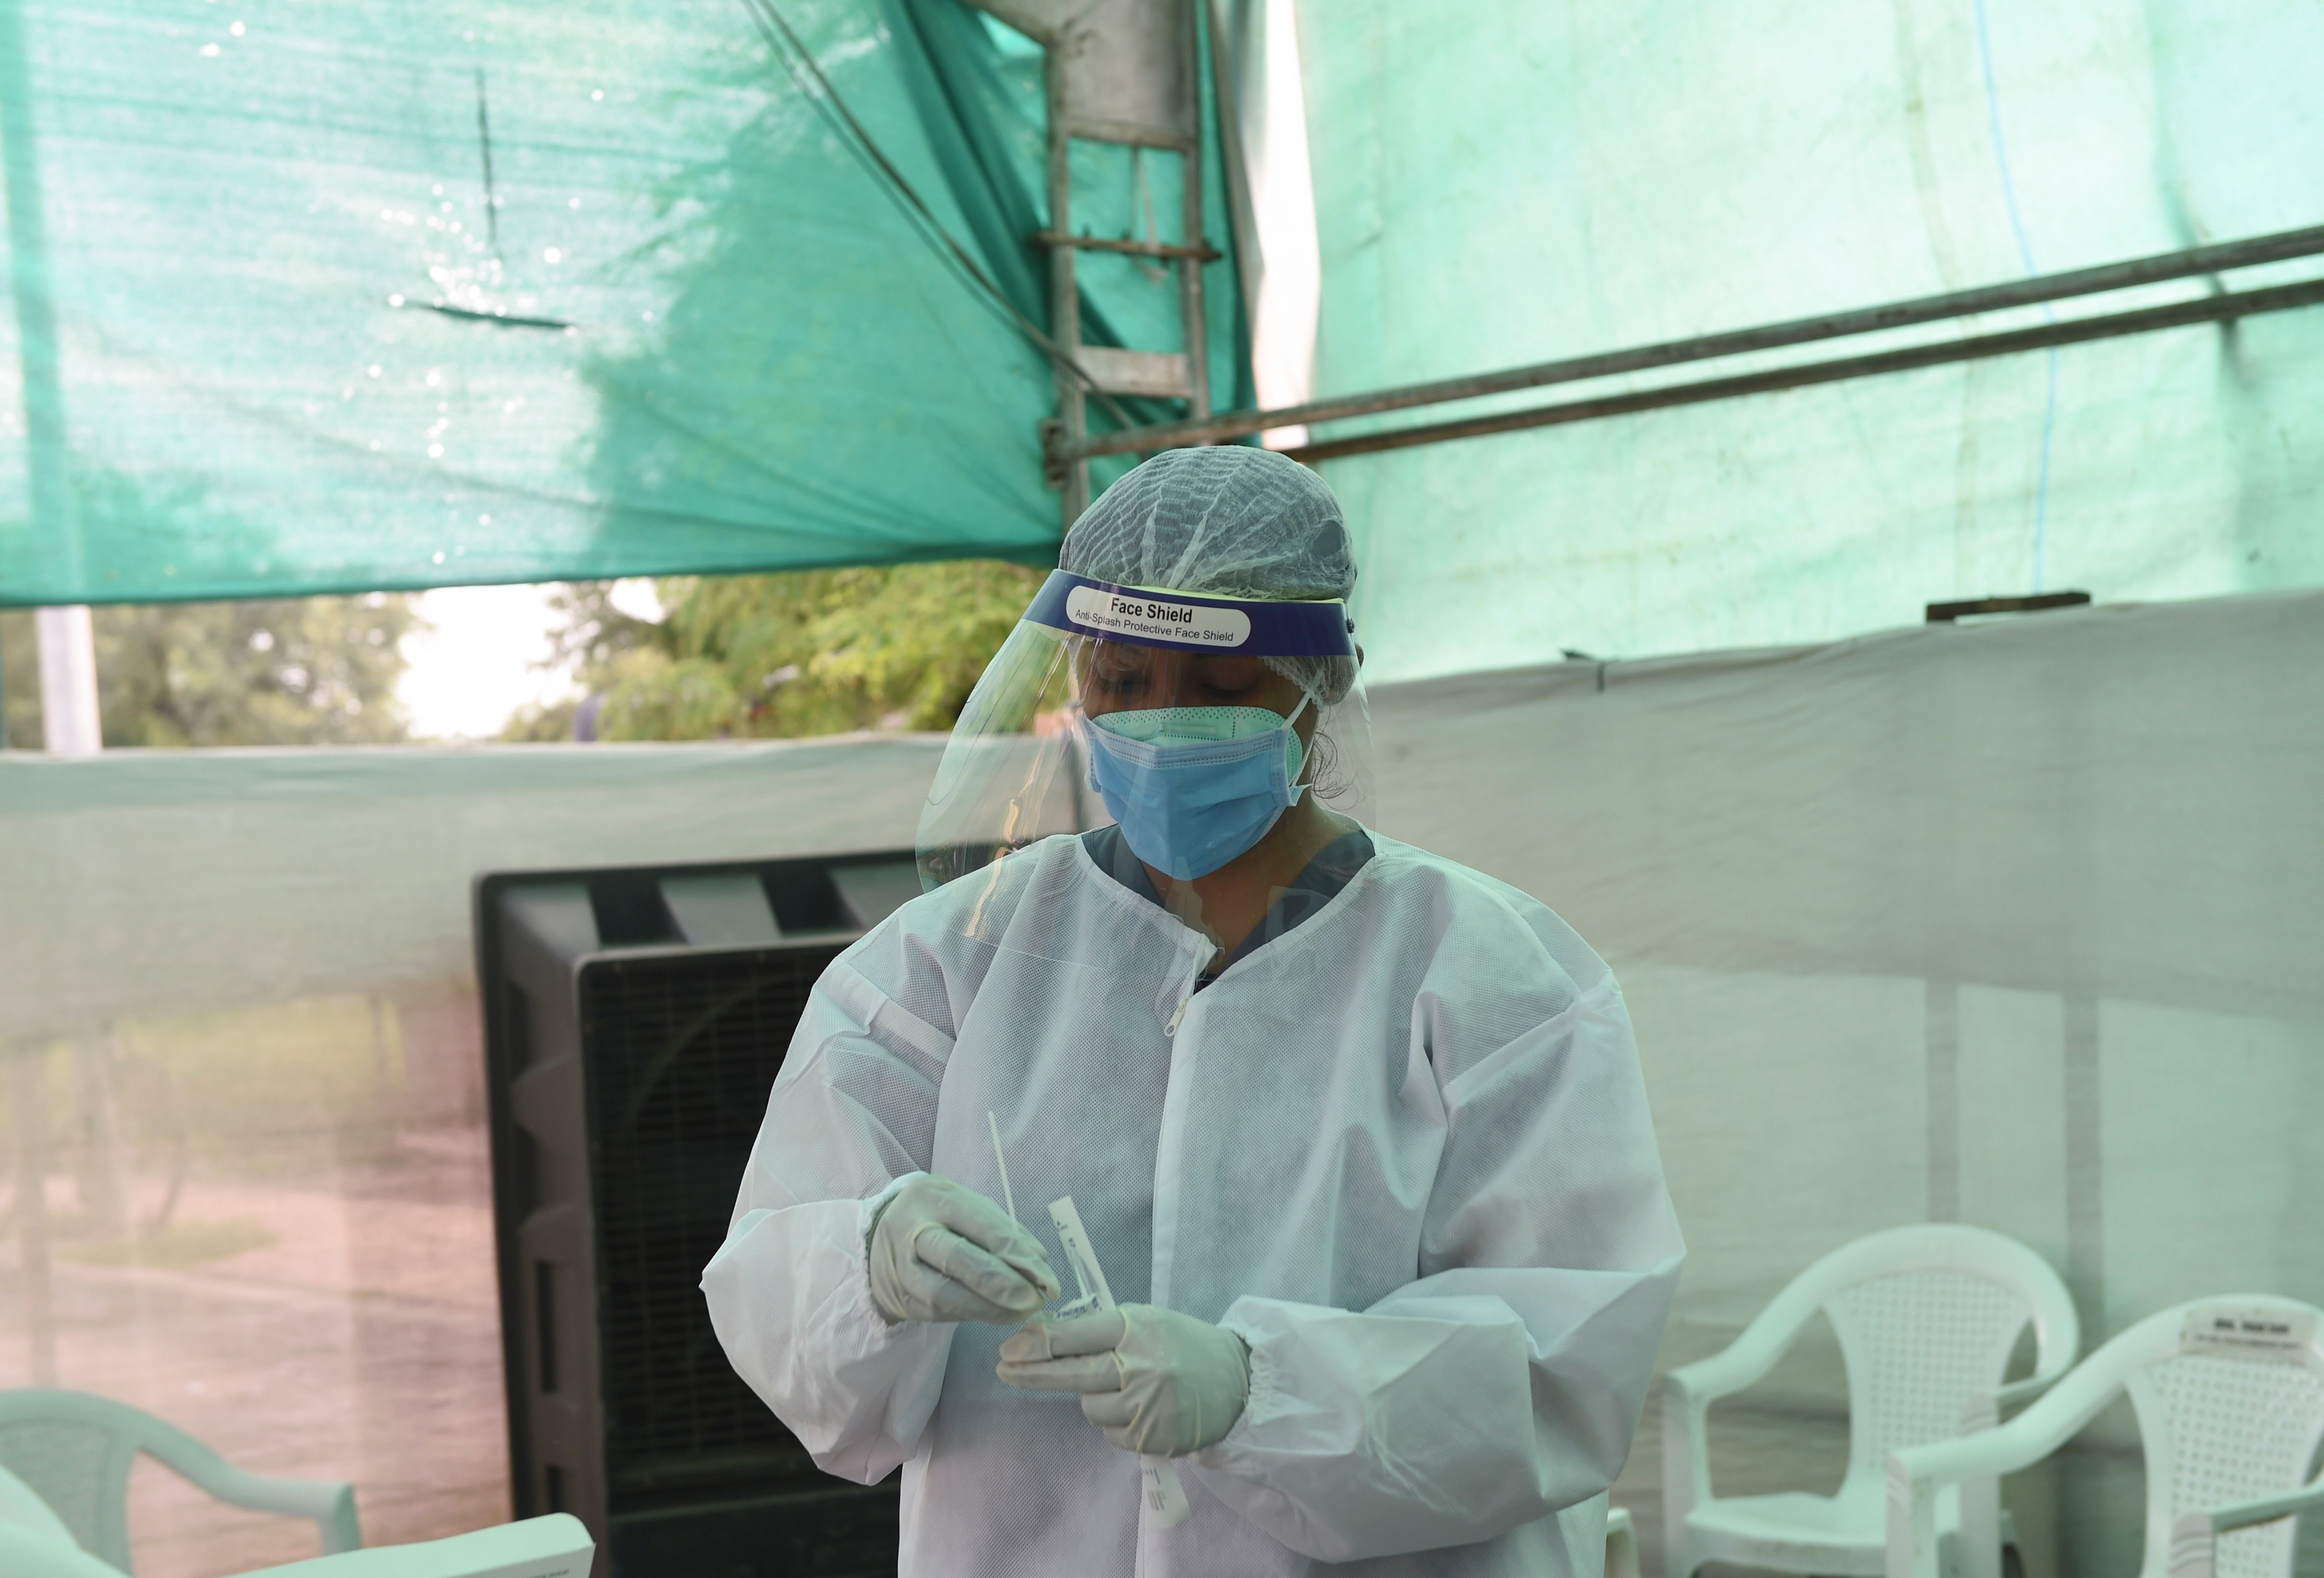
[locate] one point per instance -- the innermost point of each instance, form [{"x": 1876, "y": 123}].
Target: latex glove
[
  {"x": 1157, "y": 1381},
  {"x": 942, "y": 1252}
]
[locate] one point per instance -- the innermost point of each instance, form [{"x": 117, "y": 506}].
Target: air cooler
[{"x": 634, "y": 1021}]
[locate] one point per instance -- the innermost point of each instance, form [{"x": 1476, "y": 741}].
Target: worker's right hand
[{"x": 941, "y": 1252}]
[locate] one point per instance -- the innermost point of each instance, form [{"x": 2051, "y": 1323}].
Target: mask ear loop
[{"x": 1307, "y": 757}]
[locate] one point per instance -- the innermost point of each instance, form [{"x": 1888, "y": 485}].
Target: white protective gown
[{"x": 1403, "y": 1149}]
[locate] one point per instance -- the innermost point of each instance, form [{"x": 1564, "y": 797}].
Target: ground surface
[{"x": 355, "y": 1337}]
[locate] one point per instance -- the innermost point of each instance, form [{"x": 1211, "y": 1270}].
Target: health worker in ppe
[{"x": 1355, "y": 1135}]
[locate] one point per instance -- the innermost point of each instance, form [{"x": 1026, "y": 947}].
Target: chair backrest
[
  {"x": 76, "y": 1449},
  {"x": 1927, "y": 1319},
  {"x": 2231, "y": 1399},
  {"x": 78, "y": 1461}
]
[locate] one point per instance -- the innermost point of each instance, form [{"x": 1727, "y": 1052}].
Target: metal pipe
[
  {"x": 2148, "y": 271},
  {"x": 1195, "y": 323},
  {"x": 1072, "y": 421},
  {"x": 72, "y": 721},
  {"x": 2074, "y": 331}
]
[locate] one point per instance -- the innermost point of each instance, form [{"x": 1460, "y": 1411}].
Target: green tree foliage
[
  {"x": 298, "y": 671},
  {"x": 591, "y": 634},
  {"x": 807, "y": 652}
]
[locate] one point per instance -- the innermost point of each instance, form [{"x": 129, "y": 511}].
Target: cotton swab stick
[{"x": 1007, "y": 1196}]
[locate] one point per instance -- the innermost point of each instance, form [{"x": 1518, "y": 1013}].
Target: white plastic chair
[
  {"x": 75, "y": 1450},
  {"x": 1927, "y": 1319},
  {"x": 1621, "y": 1543},
  {"x": 2230, "y": 1399}
]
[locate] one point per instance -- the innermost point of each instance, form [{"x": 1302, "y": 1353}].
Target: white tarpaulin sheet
[{"x": 2014, "y": 924}]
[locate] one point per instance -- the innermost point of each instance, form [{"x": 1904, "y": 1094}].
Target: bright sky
[{"x": 480, "y": 661}]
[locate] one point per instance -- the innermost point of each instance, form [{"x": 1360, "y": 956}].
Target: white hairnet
[{"x": 1233, "y": 522}]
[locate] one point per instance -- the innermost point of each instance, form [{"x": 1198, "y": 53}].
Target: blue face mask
[{"x": 1193, "y": 786}]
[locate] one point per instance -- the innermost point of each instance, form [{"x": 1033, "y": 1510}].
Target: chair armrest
[
  {"x": 1689, "y": 1391},
  {"x": 2022, "y": 1391},
  {"x": 1915, "y": 1473},
  {"x": 2195, "y": 1537},
  {"x": 1745, "y": 1360},
  {"x": 331, "y": 1503},
  {"x": 2268, "y": 1508},
  {"x": 1621, "y": 1543},
  {"x": 1985, "y": 1410}
]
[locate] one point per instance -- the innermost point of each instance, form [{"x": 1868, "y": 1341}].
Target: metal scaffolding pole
[
  {"x": 2047, "y": 288},
  {"x": 2106, "y": 325}
]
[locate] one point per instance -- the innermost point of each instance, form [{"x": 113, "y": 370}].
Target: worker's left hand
[{"x": 1157, "y": 1381}]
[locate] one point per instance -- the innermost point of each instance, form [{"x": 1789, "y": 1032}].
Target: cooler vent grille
[{"x": 680, "y": 1052}]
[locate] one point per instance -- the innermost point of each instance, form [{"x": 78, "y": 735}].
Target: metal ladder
[{"x": 1124, "y": 72}]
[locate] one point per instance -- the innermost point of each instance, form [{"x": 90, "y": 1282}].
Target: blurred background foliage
[
  {"x": 294, "y": 671},
  {"x": 733, "y": 657},
  {"x": 805, "y": 652}
]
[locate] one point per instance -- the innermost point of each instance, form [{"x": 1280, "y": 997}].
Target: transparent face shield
[{"x": 1169, "y": 713}]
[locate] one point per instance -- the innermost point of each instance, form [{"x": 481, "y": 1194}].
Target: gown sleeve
[
  {"x": 1505, "y": 1383},
  {"x": 852, "y": 1116}
]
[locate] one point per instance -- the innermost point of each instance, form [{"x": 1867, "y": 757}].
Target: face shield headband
[{"x": 1148, "y": 616}]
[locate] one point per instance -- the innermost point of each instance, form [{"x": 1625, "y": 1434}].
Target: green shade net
[
  {"x": 1499, "y": 185},
  {"x": 696, "y": 333}
]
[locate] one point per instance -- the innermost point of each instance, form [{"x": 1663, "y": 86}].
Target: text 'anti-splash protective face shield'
[{"x": 1149, "y": 673}]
